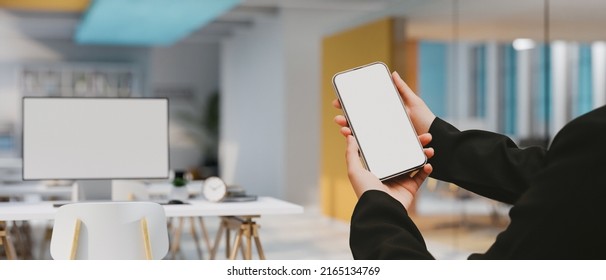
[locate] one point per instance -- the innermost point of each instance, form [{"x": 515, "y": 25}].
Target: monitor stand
[{"x": 98, "y": 190}]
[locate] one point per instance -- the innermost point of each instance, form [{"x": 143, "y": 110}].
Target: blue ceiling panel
[{"x": 147, "y": 22}]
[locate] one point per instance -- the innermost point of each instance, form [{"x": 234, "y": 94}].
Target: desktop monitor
[{"x": 95, "y": 140}]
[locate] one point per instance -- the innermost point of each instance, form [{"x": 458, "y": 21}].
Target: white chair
[
  {"x": 130, "y": 190},
  {"x": 110, "y": 230}
]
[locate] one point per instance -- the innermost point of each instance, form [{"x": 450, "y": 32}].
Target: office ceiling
[{"x": 580, "y": 20}]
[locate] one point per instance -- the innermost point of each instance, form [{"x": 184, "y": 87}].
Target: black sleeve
[
  {"x": 485, "y": 163},
  {"x": 562, "y": 215},
  {"x": 559, "y": 217},
  {"x": 381, "y": 229}
]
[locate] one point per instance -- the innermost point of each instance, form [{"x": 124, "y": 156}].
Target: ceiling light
[{"x": 522, "y": 44}]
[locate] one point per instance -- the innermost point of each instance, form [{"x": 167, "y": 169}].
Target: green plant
[
  {"x": 205, "y": 127},
  {"x": 179, "y": 182}
]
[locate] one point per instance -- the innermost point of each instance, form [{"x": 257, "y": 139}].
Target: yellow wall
[
  {"x": 46, "y": 5},
  {"x": 354, "y": 47}
]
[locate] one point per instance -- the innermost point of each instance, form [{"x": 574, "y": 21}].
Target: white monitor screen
[{"x": 95, "y": 138}]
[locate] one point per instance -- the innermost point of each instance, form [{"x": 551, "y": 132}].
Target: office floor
[
  {"x": 312, "y": 236},
  {"x": 452, "y": 230}
]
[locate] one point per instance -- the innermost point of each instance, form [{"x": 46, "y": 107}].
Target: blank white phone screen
[
  {"x": 375, "y": 112},
  {"x": 95, "y": 138}
]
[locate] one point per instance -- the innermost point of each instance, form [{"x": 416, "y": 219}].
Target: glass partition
[{"x": 520, "y": 68}]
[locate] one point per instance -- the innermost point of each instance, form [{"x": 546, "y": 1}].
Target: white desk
[
  {"x": 21, "y": 211},
  {"x": 236, "y": 216}
]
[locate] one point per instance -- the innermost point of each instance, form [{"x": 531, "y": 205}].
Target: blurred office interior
[{"x": 249, "y": 86}]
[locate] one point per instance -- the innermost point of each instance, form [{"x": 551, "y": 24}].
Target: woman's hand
[{"x": 403, "y": 188}]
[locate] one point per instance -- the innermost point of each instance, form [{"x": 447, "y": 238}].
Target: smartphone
[{"x": 388, "y": 143}]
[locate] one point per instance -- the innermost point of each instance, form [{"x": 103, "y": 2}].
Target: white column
[
  {"x": 537, "y": 116},
  {"x": 492, "y": 86},
  {"x": 451, "y": 113},
  {"x": 523, "y": 93},
  {"x": 572, "y": 92},
  {"x": 598, "y": 70},
  {"x": 559, "y": 86},
  {"x": 463, "y": 71},
  {"x": 458, "y": 80}
]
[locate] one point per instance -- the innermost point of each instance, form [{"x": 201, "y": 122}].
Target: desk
[
  {"x": 20, "y": 211},
  {"x": 229, "y": 211}
]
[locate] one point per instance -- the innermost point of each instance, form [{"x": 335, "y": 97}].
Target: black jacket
[{"x": 558, "y": 195}]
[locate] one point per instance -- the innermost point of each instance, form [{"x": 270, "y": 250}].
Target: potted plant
[{"x": 179, "y": 190}]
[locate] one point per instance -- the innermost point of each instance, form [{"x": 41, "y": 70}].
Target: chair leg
[
  {"x": 25, "y": 239},
  {"x": 237, "y": 244},
  {"x": 146, "y": 242},
  {"x": 242, "y": 250},
  {"x": 7, "y": 242},
  {"x": 175, "y": 246},
  {"x": 227, "y": 241},
  {"x": 76, "y": 237},
  {"x": 215, "y": 247},
  {"x": 48, "y": 233},
  {"x": 194, "y": 235},
  {"x": 248, "y": 234},
  {"x": 258, "y": 241},
  {"x": 205, "y": 234}
]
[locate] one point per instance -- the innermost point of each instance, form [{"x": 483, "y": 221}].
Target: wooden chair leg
[
  {"x": 194, "y": 235},
  {"x": 248, "y": 234},
  {"x": 237, "y": 244},
  {"x": 215, "y": 247},
  {"x": 9, "y": 248},
  {"x": 48, "y": 233},
  {"x": 204, "y": 233},
  {"x": 146, "y": 241},
  {"x": 18, "y": 242},
  {"x": 175, "y": 246},
  {"x": 7, "y": 242},
  {"x": 24, "y": 235},
  {"x": 76, "y": 237},
  {"x": 258, "y": 241},
  {"x": 227, "y": 242},
  {"x": 242, "y": 250}
]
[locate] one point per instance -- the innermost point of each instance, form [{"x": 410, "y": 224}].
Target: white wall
[
  {"x": 253, "y": 116},
  {"x": 270, "y": 123}
]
